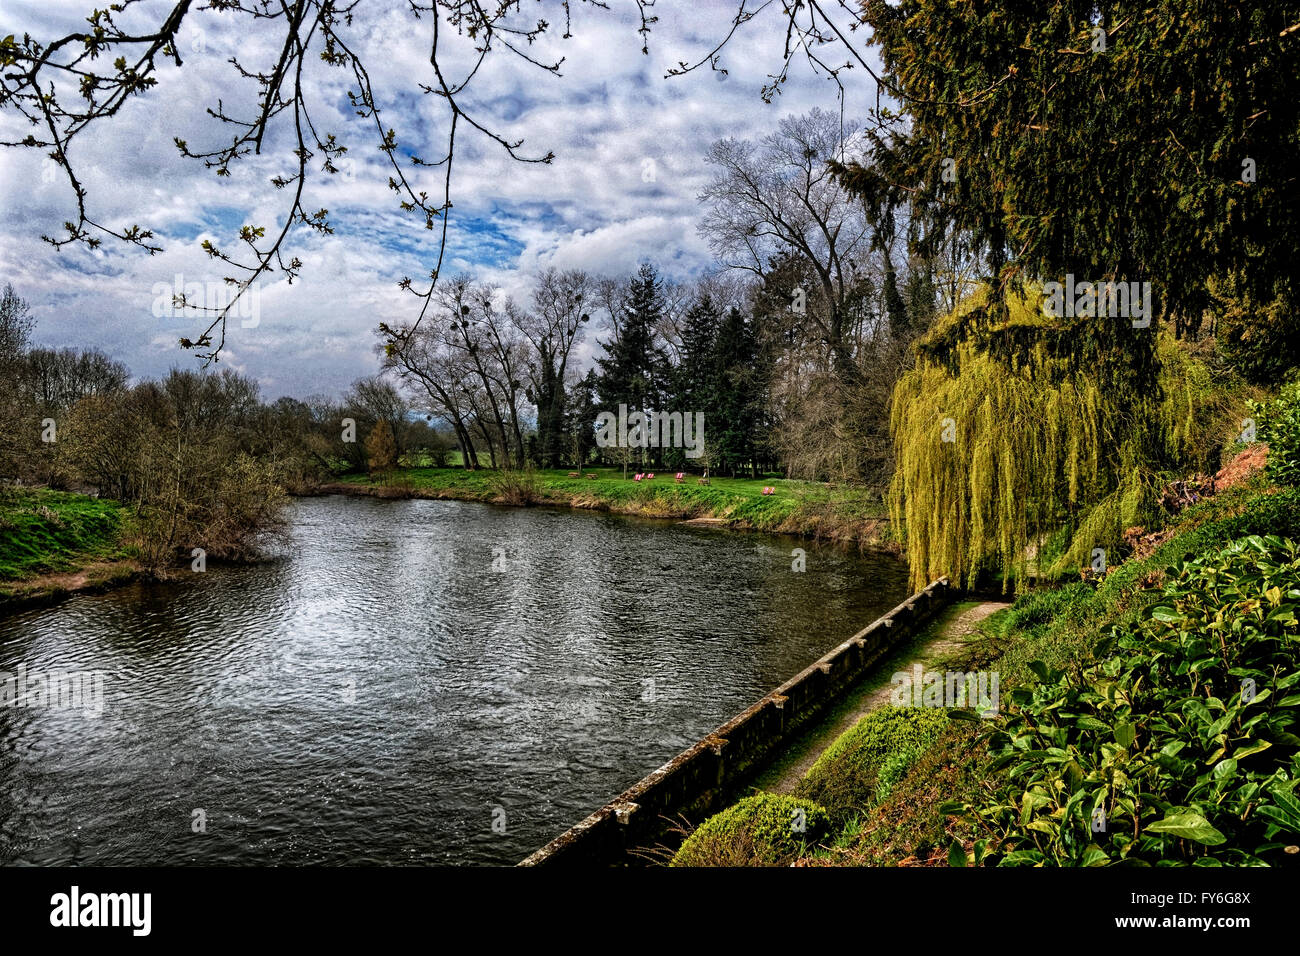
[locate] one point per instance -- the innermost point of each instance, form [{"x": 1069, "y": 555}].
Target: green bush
[
  {"x": 1278, "y": 424},
  {"x": 766, "y": 829},
  {"x": 514, "y": 487},
  {"x": 845, "y": 778},
  {"x": 1180, "y": 747},
  {"x": 895, "y": 768}
]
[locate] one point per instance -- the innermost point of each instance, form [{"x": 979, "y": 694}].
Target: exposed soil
[{"x": 54, "y": 586}]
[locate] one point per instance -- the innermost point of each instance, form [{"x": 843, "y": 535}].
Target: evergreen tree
[
  {"x": 1125, "y": 140},
  {"x": 634, "y": 371},
  {"x": 731, "y": 425},
  {"x": 696, "y": 377}
]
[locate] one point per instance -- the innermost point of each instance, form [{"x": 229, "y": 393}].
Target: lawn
[
  {"x": 794, "y": 506},
  {"x": 43, "y": 530}
]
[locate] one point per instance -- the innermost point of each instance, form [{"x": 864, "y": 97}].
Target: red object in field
[
  {"x": 681, "y": 476},
  {"x": 767, "y": 490},
  {"x": 637, "y": 477}
]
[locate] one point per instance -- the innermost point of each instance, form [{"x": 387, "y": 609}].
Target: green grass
[
  {"x": 795, "y": 506},
  {"x": 44, "y": 531},
  {"x": 1060, "y": 626},
  {"x": 824, "y": 732}
]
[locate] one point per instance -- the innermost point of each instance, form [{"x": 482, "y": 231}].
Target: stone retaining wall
[{"x": 701, "y": 780}]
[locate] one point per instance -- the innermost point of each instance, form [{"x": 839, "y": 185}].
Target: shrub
[
  {"x": 1046, "y": 606},
  {"x": 381, "y": 448},
  {"x": 515, "y": 487},
  {"x": 1278, "y": 424},
  {"x": 845, "y": 778},
  {"x": 766, "y": 829},
  {"x": 1180, "y": 746}
]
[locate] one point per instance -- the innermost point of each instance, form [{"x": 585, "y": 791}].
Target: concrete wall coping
[{"x": 867, "y": 645}]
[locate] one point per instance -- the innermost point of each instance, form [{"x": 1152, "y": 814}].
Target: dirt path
[
  {"x": 956, "y": 626},
  {"x": 55, "y": 585}
]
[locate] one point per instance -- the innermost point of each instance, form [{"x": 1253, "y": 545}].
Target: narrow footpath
[{"x": 936, "y": 645}]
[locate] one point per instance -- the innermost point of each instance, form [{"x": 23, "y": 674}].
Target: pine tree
[
  {"x": 696, "y": 377},
  {"x": 634, "y": 371},
  {"x": 1123, "y": 140},
  {"x": 731, "y": 430}
]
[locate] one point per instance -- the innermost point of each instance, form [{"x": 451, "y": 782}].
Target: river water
[{"x": 414, "y": 682}]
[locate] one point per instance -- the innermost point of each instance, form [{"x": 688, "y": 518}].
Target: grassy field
[
  {"x": 54, "y": 543},
  {"x": 797, "y": 507},
  {"x": 45, "y": 531}
]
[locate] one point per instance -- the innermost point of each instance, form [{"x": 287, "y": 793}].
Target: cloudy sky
[{"x": 629, "y": 147}]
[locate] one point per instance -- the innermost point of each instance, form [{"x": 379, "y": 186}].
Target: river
[{"x": 412, "y": 682}]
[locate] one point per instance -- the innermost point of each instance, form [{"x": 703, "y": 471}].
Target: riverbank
[
  {"x": 940, "y": 645},
  {"x": 845, "y": 513},
  {"x": 914, "y": 786},
  {"x": 55, "y": 543}
]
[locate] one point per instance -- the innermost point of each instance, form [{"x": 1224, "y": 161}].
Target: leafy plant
[
  {"x": 845, "y": 779},
  {"x": 895, "y": 768},
  {"x": 516, "y": 487},
  {"x": 1180, "y": 747},
  {"x": 1278, "y": 424}
]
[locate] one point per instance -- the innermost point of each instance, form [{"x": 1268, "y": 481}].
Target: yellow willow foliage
[{"x": 993, "y": 456}]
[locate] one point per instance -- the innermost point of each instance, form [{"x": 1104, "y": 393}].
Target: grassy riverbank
[
  {"x": 1184, "y": 769},
  {"x": 54, "y": 542},
  {"x": 840, "y": 512}
]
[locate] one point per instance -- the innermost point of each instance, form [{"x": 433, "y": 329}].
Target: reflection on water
[{"x": 410, "y": 667}]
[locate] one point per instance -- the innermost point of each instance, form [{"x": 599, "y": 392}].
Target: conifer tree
[
  {"x": 731, "y": 429},
  {"x": 696, "y": 376},
  {"x": 634, "y": 370}
]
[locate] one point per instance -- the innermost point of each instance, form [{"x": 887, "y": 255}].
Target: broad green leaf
[{"x": 1188, "y": 826}]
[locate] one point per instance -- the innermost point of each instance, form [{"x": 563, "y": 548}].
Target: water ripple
[{"x": 404, "y": 672}]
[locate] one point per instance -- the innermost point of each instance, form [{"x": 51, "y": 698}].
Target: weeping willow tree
[{"x": 1015, "y": 429}]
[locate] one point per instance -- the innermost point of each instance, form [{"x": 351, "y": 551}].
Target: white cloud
[{"x": 629, "y": 165}]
